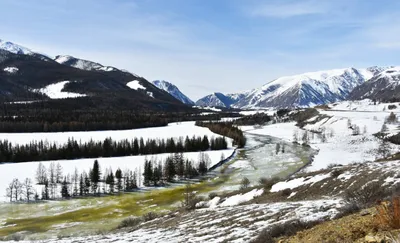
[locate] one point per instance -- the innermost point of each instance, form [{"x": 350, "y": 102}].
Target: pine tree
[
  {"x": 64, "y": 189},
  {"x": 95, "y": 176},
  {"x": 118, "y": 175},
  {"x": 81, "y": 185},
  {"x": 170, "y": 169},
  {"x": 86, "y": 185}
]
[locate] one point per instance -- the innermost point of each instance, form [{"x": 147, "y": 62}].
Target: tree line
[
  {"x": 56, "y": 185},
  {"x": 227, "y": 129},
  {"x": 255, "y": 119},
  {"x": 42, "y": 151},
  {"x": 43, "y": 120}
]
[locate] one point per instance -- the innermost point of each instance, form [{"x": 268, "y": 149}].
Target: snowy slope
[
  {"x": 383, "y": 86},
  {"x": 308, "y": 89},
  {"x": 173, "y": 90},
  {"x": 302, "y": 90},
  {"x": 82, "y": 64},
  {"x": 14, "y": 48}
]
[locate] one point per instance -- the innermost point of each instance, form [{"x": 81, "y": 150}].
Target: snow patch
[
  {"x": 135, "y": 85},
  {"x": 294, "y": 183},
  {"x": 241, "y": 198},
  {"x": 54, "y": 91},
  {"x": 11, "y": 70}
]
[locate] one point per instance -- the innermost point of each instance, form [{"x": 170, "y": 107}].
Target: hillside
[
  {"x": 302, "y": 90},
  {"x": 27, "y": 76},
  {"x": 173, "y": 90},
  {"x": 384, "y": 86}
]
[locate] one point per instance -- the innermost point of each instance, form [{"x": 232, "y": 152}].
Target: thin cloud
[{"x": 288, "y": 10}]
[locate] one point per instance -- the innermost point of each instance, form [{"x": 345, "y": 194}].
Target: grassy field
[{"x": 87, "y": 212}]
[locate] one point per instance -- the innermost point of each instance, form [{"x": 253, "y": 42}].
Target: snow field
[
  {"x": 28, "y": 169},
  {"x": 341, "y": 146},
  {"x": 174, "y": 130}
]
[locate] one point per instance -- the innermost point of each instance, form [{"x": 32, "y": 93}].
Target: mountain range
[
  {"x": 313, "y": 88},
  {"x": 30, "y": 77},
  {"x": 26, "y": 75}
]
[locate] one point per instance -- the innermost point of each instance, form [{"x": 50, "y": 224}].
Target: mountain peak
[
  {"x": 172, "y": 90},
  {"x": 14, "y": 48}
]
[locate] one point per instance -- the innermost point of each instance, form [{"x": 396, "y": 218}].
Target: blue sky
[{"x": 204, "y": 46}]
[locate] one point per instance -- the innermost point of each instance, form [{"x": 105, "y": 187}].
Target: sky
[{"x": 206, "y": 46}]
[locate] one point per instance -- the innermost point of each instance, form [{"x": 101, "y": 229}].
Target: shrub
[
  {"x": 367, "y": 195},
  {"x": 287, "y": 228},
  {"x": 149, "y": 216},
  {"x": 348, "y": 209},
  {"x": 336, "y": 173},
  {"x": 388, "y": 214},
  {"x": 130, "y": 222},
  {"x": 245, "y": 183},
  {"x": 392, "y": 107},
  {"x": 286, "y": 192},
  {"x": 267, "y": 183},
  {"x": 212, "y": 195},
  {"x": 263, "y": 237}
]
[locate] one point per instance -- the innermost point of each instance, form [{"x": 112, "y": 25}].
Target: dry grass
[{"x": 388, "y": 214}]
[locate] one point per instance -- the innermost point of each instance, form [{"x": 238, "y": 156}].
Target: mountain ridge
[
  {"x": 173, "y": 90},
  {"x": 301, "y": 90}
]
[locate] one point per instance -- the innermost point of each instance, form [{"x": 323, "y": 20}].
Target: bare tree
[
  {"x": 277, "y": 148},
  {"x": 17, "y": 189},
  {"x": 10, "y": 190},
  {"x": 52, "y": 173},
  {"x": 75, "y": 181},
  {"x": 295, "y": 136},
  {"x": 305, "y": 138},
  {"x": 28, "y": 189},
  {"x": 59, "y": 170},
  {"x": 41, "y": 174}
]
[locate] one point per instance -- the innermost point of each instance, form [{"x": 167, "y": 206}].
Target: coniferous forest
[
  {"x": 42, "y": 120},
  {"x": 42, "y": 151},
  {"x": 227, "y": 129}
]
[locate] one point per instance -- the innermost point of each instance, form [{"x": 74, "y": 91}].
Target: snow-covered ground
[
  {"x": 54, "y": 91},
  {"x": 222, "y": 224},
  {"x": 28, "y": 169},
  {"x": 341, "y": 146},
  {"x": 174, "y": 130},
  {"x": 23, "y": 170},
  {"x": 269, "y": 112},
  {"x": 364, "y": 105}
]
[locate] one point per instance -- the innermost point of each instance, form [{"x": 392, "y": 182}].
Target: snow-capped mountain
[
  {"x": 14, "y": 48},
  {"x": 20, "y": 50},
  {"x": 383, "y": 86},
  {"x": 82, "y": 64},
  {"x": 173, "y": 90},
  {"x": 220, "y": 100},
  {"x": 303, "y": 90},
  {"x": 29, "y": 76}
]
